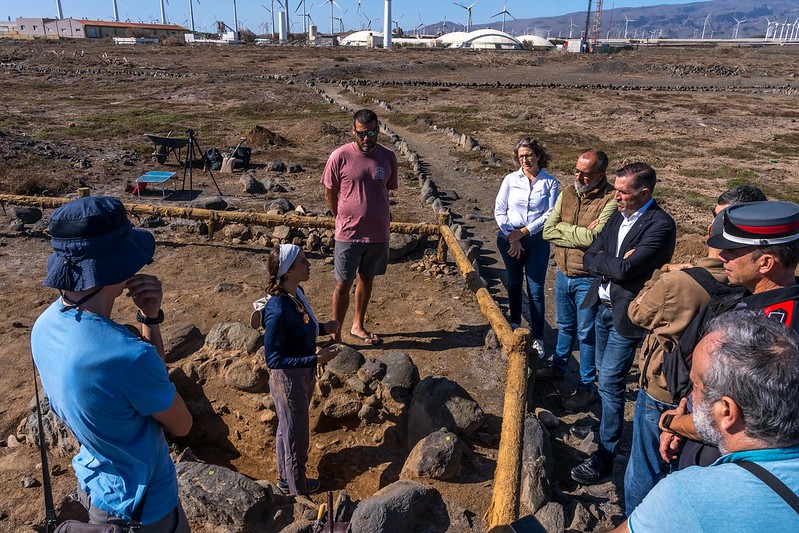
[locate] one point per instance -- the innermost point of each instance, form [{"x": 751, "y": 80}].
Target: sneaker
[
  {"x": 538, "y": 346},
  {"x": 591, "y": 470},
  {"x": 282, "y": 485},
  {"x": 579, "y": 401},
  {"x": 514, "y": 326},
  {"x": 549, "y": 373}
]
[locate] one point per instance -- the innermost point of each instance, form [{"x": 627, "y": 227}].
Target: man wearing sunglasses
[
  {"x": 357, "y": 178},
  {"x": 580, "y": 214}
]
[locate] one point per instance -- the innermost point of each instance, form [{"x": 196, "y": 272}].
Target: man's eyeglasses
[
  {"x": 583, "y": 174},
  {"x": 367, "y": 133}
]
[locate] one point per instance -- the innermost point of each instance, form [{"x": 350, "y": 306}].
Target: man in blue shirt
[
  {"x": 109, "y": 386},
  {"x": 745, "y": 375}
]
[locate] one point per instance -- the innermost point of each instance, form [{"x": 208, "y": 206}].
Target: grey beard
[
  {"x": 706, "y": 427},
  {"x": 582, "y": 189}
]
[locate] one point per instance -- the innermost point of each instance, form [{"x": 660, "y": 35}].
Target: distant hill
[{"x": 683, "y": 21}]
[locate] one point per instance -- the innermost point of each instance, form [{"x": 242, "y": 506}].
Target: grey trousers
[
  {"x": 292, "y": 389},
  {"x": 173, "y": 522}
]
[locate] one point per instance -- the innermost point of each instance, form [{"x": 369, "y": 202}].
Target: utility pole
[{"x": 587, "y": 24}]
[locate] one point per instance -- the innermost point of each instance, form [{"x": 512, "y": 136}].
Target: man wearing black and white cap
[
  {"x": 108, "y": 385},
  {"x": 759, "y": 250}
]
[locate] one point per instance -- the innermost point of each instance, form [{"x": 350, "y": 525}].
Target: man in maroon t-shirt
[{"x": 357, "y": 178}]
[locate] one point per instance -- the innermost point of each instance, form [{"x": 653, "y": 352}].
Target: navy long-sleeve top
[{"x": 289, "y": 342}]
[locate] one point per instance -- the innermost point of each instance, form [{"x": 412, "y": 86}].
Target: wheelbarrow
[{"x": 167, "y": 145}]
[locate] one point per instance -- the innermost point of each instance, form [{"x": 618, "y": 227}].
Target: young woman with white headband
[{"x": 290, "y": 344}]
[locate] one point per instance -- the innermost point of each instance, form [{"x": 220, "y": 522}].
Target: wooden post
[
  {"x": 223, "y": 217},
  {"x": 504, "y": 507},
  {"x": 444, "y": 219},
  {"x": 83, "y": 192}
]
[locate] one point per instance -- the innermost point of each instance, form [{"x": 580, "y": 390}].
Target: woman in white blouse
[{"x": 524, "y": 202}]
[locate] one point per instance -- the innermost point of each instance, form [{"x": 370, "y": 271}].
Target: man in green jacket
[{"x": 580, "y": 213}]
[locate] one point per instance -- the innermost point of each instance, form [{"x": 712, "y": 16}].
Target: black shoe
[
  {"x": 591, "y": 470},
  {"x": 549, "y": 373},
  {"x": 581, "y": 432},
  {"x": 579, "y": 401}
]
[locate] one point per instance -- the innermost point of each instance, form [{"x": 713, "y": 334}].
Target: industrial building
[{"x": 90, "y": 29}]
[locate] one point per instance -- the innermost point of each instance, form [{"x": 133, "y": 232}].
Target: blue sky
[{"x": 252, "y": 15}]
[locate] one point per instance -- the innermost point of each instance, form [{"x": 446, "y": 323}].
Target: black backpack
[
  {"x": 214, "y": 158},
  {"x": 677, "y": 363}
]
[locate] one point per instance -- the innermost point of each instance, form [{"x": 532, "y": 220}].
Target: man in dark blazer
[{"x": 637, "y": 239}]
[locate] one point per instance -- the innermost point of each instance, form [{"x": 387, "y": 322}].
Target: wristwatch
[
  {"x": 150, "y": 321},
  {"x": 665, "y": 422}
]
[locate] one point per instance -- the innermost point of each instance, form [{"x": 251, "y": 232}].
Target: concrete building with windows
[{"x": 93, "y": 29}]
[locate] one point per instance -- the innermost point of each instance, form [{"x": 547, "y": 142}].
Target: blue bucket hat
[{"x": 95, "y": 245}]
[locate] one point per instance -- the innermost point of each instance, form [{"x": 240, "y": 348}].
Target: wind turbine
[
  {"x": 163, "y": 12},
  {"x": 419, "y": 27},
  {"x": 272, "y": 13},
  {"x": 783, "y": 32},
  {"x": 191, "y": 12},
  {"x": 469, "y": 15},
  {"x": 304, "y": 17},
  {"x": 626, "y": 22},
  {"x": 572, "y": 25},
  {"x": 704, "y": 26},
  {"x": 332, "y": 18},
  {"x": 308, "y": 16},
  {"x": 737, "y": 26},
  {"x": 368, "y": 20},
  {"x": 341, "y": 22},
  {"x": 396, "y": 23},
  {"x": 504, "y": 12}
]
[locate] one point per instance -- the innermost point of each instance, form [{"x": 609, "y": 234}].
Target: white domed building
[
  {"x": 488, "y": 39},
  {"x": 535, "y": 42},
  {"x": 452, "y": 38},
  {"x": 361, "y": 38}
]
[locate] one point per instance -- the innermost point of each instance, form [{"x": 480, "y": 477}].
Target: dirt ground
[{"x": 74, "y": 114}]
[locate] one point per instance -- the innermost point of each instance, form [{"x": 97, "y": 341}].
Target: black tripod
[{"x": 189, "y": 164}]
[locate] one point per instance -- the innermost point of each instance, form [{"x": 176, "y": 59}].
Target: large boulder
[
  {"x": 280, "y": 204},
  {"x": 400, "y": 245},
  {"x": 346, "y": 363},
  {"x": 251, "y": 185},
  {"x": 439, "y": 402},
  {"x": 213, "y": 202},
  {"x": 341, "y": 406},
  {"x": 230, "y": 336},
  {"x": 180, "y": 340},
  {"x": 57, "y": 436},
  {"x": 437, "y": 456},
  {"x": 245, "y": 377},
  {"x": 402, "y": 506},
  {"x": 28, "y": 215},
  {"x": 552, "y": 517},
  {"x": 537, "y": 465},
  {"x": 400, "y": 378},
  {"x": 219, "y": 497}
]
